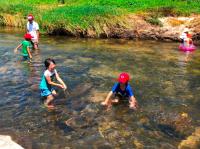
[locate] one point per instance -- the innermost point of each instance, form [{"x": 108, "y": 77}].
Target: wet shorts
[
  {"x": 46, "y": 92},
  {"x": 25, "y": 58}
]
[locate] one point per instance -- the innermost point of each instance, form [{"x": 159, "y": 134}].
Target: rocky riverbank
[{"x": 132, "y": 26}]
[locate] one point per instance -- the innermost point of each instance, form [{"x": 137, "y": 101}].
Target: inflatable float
[{"x": 185, "y": 48}]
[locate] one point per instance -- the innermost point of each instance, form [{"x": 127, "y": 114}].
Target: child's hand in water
[
  {"x": 61, "y": 86},
  {"x": 104, "y": 103},
  {"x": 15, "y": 51},
  {"x": 133, "y": 105},
  {"x": 64, "y": 87}
]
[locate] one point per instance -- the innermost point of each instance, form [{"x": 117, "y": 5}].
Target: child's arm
[
  {"x": 29, "y": 53},
  {"x": 60, "y": 80},
  {"x": 133, "y": 102},
  {"x": 48, "y": 78},
  {"x": 106, "y": 102},
  {"x": 19, "y": 46}
]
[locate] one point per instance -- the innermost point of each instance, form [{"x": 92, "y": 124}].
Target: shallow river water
[{"x": 166, "y": 85}]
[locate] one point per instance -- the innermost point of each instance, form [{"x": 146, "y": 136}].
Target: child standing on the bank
[
  {"x": 121, "y": 90},
  {"x": 47, "y": 82},
  {"x": 26, "y": 45}
]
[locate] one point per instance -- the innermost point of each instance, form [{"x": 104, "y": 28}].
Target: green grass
[
  {"x": 184, "y": 6},
  {"x": 81, "y": 16},
  {"x": 87, "y": 13}
]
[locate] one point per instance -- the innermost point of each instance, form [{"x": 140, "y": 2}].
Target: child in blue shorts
[
  {"x": 121, "y": 90},
  {"x": 26, "y": 45},
  {"x": 47, "y": 82}
]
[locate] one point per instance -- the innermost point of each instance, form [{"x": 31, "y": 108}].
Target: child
[
  {"x": 33, "y": 29},
  {"x": 183, "y": 35},
  {"x": 26, "y": 44},
  {"x": 47, "y": 82},
  {"x": 121, "y": 90},
  {"x": 188, "y": 40}
]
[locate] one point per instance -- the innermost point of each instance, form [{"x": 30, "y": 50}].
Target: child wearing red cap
[
  {"x": 33, "y": 29},
  {"x": 26, "y": 45},
  {"x": 188, "y": 40},
  {"x": 121, "y": 90}
]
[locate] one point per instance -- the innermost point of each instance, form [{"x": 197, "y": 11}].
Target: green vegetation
[{"x": 86, "y": 13}]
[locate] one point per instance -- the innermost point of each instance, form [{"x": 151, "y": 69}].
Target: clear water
[{"x": 166, "y": 86}]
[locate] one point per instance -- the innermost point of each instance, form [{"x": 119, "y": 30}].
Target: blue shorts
[{"x": 46, "y": 92}]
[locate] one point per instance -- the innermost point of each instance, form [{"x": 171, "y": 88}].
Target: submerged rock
[
  {"x": 191, "y": 142},
  {"x": 98, "y": 96},
  {"x": 138, "y": 144},
  {"x": 174, "y": 124},
  {"x": 7, "y": 143}
]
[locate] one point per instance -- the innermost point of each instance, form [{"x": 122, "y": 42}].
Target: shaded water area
[{"x": 166, "y": 86}]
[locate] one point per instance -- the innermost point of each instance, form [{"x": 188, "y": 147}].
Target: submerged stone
[
  {"x": 191, "y": 142},
  {"x": 138, "y": 144},
  {"x": 7, "y": 143}
]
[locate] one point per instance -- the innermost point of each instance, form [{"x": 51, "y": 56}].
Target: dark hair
[{"x": 48, "y": 61}]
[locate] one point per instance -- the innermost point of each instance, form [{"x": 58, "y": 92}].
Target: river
[{"x": 166, "y": 86}]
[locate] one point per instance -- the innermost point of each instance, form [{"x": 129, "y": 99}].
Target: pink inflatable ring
[{"x": 185, "y": 48}]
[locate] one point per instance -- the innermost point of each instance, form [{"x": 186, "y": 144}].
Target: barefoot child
[
  {"x": 26, "y": 44},
  {"x": 47, "y": 82},
  {"x": 33, "y": 29},
  {"x": 121, "y": 90},
  {"x": 188, "y": 40}
]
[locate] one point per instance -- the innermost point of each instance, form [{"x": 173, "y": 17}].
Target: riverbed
[{"x": 165, "y": 81}]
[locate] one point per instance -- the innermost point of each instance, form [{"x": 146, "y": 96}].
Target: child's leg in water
[
  {"x": 49, "y": 99},
  {"x": 35, "y": 46}
]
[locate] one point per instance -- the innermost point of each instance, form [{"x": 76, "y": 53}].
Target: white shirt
[
  {"x": 48, "y": 73},
  {"x": 183, "y": 36},
  {"x": 32, "y": 28}
]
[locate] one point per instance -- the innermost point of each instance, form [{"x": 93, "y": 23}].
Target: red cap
[
  {"x": 28, "y": 36},
  {"x": 30, "y": 17},
  {"x": 123, "y": 77}
]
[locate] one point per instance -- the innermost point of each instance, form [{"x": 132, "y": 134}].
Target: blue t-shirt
[{"x": 126, "y": 93}]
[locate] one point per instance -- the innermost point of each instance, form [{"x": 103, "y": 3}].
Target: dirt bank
[{"x": 131, "y": 26}]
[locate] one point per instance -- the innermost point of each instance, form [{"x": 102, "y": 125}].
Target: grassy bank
[{"x": 83, "y": 14}]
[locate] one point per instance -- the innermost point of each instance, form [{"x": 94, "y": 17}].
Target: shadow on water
[
  {"x": 64, "y": 127},
  {"x": 163, "y": 83}
]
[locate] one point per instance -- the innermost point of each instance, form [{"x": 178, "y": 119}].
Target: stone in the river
[
  {"x": 7, "y": 143},
  {"x": 191, "y": 142},
  {"x": 138, "y": 144}
]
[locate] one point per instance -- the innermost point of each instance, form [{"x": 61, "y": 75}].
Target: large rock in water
[
  {"x": 191, "y": 142},
  {"x": 7, "y": 143}
]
